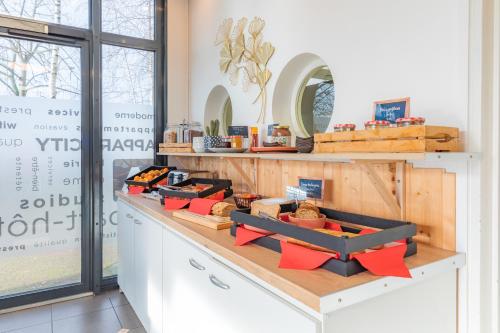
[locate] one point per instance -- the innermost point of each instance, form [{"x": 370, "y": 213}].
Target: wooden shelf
[{"x": 338, "y": 157}]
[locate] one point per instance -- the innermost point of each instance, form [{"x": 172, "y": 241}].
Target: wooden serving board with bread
[
  {"x": 210, "y": 221},
  {"x": 218, "y": 219}
]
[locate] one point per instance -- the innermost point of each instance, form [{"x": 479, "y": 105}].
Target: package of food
[
  {"x": 150, "y": 177},
  {"x": 197, "y": 188}
]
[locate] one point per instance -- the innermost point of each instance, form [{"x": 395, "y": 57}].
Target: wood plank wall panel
[
  {"x": 425, "y": 196},
  {"x": 431, "y": 204}
]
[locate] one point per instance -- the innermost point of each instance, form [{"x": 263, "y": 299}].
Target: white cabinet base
[{"x": 429, "y": 306}]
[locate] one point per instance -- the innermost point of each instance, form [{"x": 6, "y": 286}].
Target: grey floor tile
[
  {"x": 117, "y": 298},
  {"x": 104, "y": 321},
  {"x": 80, "y": 306},
  {"x": 127, "y": 317},
  {"x": 42, "y": 328},
  {"x": 25, "y": 318}
]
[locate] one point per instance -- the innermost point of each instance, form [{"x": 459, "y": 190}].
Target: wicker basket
[{"x": 242, "y": 202}]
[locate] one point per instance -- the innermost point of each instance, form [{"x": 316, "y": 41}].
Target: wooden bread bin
[{"x": 416, "y": 139}]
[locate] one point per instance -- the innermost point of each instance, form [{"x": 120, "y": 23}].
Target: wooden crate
[
  {"x": 416, "y": 139},
  {"x": 176, "y": 148}
]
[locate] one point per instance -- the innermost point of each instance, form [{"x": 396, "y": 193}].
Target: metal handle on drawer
[
  {"x": 129, "y": 216},
  {"x": 218, "y": 283},
  {"x": 196, "y": 265},
  {"x": 136, "y": 221}
]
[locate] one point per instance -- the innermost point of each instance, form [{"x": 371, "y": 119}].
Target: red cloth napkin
[
  {"x": 202, "y": 206},
  {"x": 333, "y": 226},
  {"x": 245, "y": 236},
  {"x": 298, "y": 257},
  {"x": 388, "y": 261},
  {"x": 217, "y": 196},
  {"x": 175, "y": 204},
  {"x": 135, "y": 190}
]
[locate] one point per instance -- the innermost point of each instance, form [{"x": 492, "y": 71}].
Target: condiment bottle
[{"x": 255, "y": 136}]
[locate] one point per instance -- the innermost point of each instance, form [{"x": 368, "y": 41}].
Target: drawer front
[{"x": 230, "y": 302}]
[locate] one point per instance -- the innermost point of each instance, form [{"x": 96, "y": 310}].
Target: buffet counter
[{"x": 162, "y": 272}]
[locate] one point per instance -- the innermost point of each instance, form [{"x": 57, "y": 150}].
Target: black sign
[
  {"x": 313, "y": 187},
  {"x": 238, "y": 130}
]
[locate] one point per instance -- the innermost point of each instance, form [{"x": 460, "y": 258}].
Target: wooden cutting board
[{"x": 209, "y": 221}]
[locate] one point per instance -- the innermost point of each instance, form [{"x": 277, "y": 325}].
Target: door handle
[
  {"x": 218, "y": 283},
  {"x": 136, "y": 221},
  {"x": 196, "y": 265},
  {"x": 129, "y": 216}
]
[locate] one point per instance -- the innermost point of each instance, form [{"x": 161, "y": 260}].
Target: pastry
[
  {"x": 308, "y": 205},
  {"x": 222, "y": 209},
  {"x": 306, "y": 213},
  {"x": 271, "y": 210}
]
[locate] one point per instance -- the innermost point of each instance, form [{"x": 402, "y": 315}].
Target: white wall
[
  {"x": 430, "y": 50},
  {"x": 177, "y": 60},
  {"x": 375, "y": 49}
]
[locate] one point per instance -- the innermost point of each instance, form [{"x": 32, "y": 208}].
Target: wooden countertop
[{"x": 311, "y": 288}]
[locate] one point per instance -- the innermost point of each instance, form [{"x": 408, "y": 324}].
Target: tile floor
[{"x": 108, "y": 312}]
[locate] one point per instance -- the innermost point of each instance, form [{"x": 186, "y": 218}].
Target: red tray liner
[
  {"x": 298, "y": 257},
  {"x": 176, "y": 204},
  {"x": 245, "y": 236},
  {"x": 202, "y": 206},
  {"x": 134, "y": 190},
  {"x": 388, "y": 261}
]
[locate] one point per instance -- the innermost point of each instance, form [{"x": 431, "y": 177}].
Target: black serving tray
[
  {"x": 392, "y": 231},
  {"x": 149, "y": 185},
  {"x": 217, "y": 186}
]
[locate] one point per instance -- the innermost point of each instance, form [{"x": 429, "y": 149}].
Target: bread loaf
[{"x": 222, "y": 209}]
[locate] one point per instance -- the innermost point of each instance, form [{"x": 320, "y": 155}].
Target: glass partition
[{"x": 40, "y": 146}]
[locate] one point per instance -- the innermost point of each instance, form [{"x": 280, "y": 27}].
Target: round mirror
[
  {"x": 219, "y": 107},
  {"x": 316, "y": 101}
]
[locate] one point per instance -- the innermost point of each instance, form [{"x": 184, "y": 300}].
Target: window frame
[{"x": 90, "y": 41}]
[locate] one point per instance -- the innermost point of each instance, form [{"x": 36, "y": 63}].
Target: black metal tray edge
[
  {"x": 343, "y": 245},
  {"x": 344, "y": 268},
  {"x": 131, "y": 182},
  {"x": 218, "y": 185}
]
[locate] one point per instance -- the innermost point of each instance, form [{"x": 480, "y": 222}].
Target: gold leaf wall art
[{"x": 245, "y": 58}]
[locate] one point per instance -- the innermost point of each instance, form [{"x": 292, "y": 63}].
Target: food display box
[
  {"x": 150, "y": 184},
  {"x": 416, "y": 139},
  {"x": 389, "y": 231},
  {"x": 177, "y": 191}
]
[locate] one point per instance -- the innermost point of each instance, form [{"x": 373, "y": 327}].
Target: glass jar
[
  {"x": 170, "y": 133},
  {"x": 375, "y": 124},
  {"x": 237, "y": 141},
  {"x": 192, "y": 130},
  {"x": 282, "y": 135},
  {"x": 405, "y": 122},
  {"x": 344, "y": 127},
  {"x": 226, "y": 142}
]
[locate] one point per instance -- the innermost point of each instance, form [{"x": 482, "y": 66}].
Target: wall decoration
[
  {"x": 392, "y": 109},
  {"x": 248, "y": 55}
]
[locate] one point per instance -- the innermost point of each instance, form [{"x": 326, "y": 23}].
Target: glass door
[{"x": 45, "y": 192}]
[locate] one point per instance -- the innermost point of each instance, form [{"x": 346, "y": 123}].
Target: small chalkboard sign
[
  {"x": 313, "y": 187},
  {"x": 238, "y": 130},
  {"x": 392, "y": 109}
]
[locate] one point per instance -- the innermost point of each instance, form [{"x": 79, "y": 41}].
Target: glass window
[
  {"x": 40, "y": 127},
  {"x": 67, "y": 12},
  {"x": 133, "y": 18},
  {"x": 128, "y": 131},
  {"x": 316, "y": 101}
]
